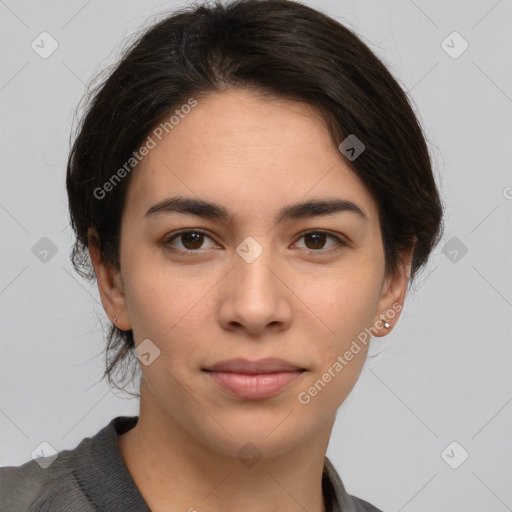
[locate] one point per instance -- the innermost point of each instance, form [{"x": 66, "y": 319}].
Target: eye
[
  {"x": 316, "y": 239},
  {"x": 191, "y": 240}
]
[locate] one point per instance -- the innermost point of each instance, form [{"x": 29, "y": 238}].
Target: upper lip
[{"x": 267, "y": 365}]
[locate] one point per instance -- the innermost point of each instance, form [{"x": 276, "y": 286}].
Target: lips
[
  {"x": 254, "y": 380},
  {"x": 268, "y": 365}
]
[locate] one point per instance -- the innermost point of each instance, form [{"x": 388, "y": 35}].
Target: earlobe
[
  {"x": 393, "y": 296},
  {"x": 110, "y": 285}
]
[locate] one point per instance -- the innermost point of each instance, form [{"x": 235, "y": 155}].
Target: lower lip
[{"x": 254, "y": 387}]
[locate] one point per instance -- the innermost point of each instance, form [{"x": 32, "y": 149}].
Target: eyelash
[{"x": 340, "y": 243}]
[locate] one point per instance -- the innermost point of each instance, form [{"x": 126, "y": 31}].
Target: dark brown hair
[{"x": 281, "y": 48}]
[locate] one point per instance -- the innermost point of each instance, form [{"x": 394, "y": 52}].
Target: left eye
[{"x": 318, "y": 238}]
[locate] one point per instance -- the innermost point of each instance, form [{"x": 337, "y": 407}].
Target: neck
[{"x": 174, "y": 470}]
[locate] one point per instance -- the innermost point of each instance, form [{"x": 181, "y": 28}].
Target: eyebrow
[{"x": 211, "y": 210}]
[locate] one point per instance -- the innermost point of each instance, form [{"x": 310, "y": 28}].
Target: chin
[{"x": 268, "y": 438}]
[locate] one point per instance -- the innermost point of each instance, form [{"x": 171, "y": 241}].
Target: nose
[{"x": 255, "y": 297}]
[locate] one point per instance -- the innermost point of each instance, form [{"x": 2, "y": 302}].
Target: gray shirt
[{"x": 93, "y": 477}]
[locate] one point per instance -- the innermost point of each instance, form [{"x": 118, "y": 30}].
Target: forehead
[{"x": 250, "y": 153}]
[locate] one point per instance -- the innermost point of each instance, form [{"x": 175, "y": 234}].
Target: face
[{"x": 254, "y": 277}]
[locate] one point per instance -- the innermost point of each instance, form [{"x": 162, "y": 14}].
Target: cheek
[
  {"x": 346, "y": 306},
  {"x": 347, "y": 300},
  {"x": 171, "y": 308},
  {"x": 159, "y": 305},
  {"x": 157, "y": 296},
  {"x": 347, "y": 310}
]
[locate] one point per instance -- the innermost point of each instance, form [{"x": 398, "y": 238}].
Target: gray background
[{"x": 444, "y": 374}]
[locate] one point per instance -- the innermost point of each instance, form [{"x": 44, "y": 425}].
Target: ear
[
  {"x": 110, "y": 284},
  {"x": 393, "y": 293}
]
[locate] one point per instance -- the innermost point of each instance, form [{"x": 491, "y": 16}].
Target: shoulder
[
  {"x": 30, "y": 487},
  {"x": 360, "y": 505},
  {"x": 46, "y": 483},
  {"x": 342, "y": 500}
]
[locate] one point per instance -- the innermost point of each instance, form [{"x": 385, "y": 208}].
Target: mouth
[{"x": 254, "y": 380}]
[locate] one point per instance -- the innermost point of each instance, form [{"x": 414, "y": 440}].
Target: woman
[{"x": 255, "y": 195}]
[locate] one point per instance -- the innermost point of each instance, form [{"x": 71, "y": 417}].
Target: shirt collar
[{"x": 111, "y": 487}]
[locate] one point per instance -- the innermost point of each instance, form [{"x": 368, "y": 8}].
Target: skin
[{"x": 297, "y": 301}]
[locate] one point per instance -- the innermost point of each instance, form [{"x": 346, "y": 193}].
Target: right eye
[{"x": 191, "y": 240}]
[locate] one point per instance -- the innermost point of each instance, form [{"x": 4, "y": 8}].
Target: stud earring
[{"x": 387, "y": 325}]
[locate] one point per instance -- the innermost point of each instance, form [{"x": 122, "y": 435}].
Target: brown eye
[
  {"x": 315, "y": 241},
  {"x": 188, "y": 241},
  {"x": 192, "y": 240}
]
